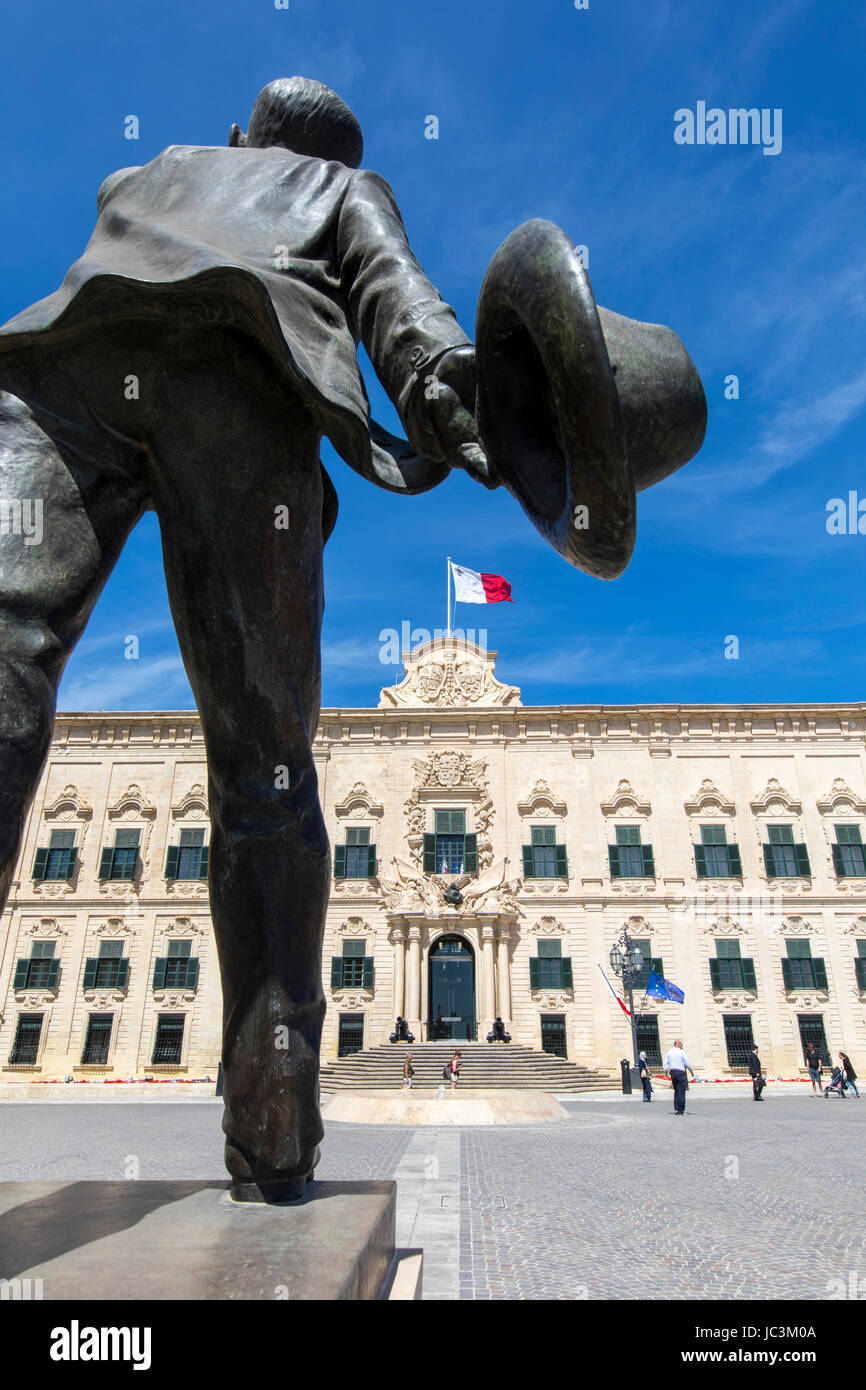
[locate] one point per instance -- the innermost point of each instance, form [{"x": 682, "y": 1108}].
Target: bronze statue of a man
[{"x": 190, "y": 364}]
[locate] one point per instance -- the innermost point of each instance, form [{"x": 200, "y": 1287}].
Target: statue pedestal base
[{"x": 189, "y": 1240}]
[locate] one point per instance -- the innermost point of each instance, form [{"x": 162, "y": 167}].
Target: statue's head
[{"x": 306, "y": 117}]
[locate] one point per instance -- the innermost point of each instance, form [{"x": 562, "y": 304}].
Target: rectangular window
[
  {"x": 178, "y": 969},
  {"x": 849, "y": 853},
  {"x": 450, "y": 849},
  {"x": 190, "y": 854},
  {"x": 551, "y": 969},
  {"x": 120, "y": 861},
  {"x": 812, "y": 1031},
  {"x": 98, "y": 1040},
  {"x": 782, "y": 857},
  {"x": 351, "y": 1034},
  {"x": 731, "y": 969},
  {"x": 354, "y": 969},
  {"x": 168, "y": 1045},
  {"x": 543, "y": 857},
  {"x": 57, "y": 860},
  {"x": 357, "y": 852},
  {"x": 801, "y": 970},
  {"x": 39, "y": 970},
  {"x": 739, "y": 1039},
  {"x": 553, "y": 1039},
  {"x": 25, "y": 1047},
  {"x": 647, "y": 1027},
  {"x": 714, "y": 857},
  {"x": 650, "y": 963},
  {"x": 860, "y": 965},
  {"x": 108, "y": 970}
]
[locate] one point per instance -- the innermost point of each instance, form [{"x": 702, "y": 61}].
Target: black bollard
[{"x": 626, "y": 1076}]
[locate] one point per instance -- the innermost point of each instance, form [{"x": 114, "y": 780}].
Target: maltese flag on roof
[{"x": 472, "y": 587}]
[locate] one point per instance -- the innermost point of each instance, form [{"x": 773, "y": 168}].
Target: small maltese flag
[{"x": 471, "y": 587}]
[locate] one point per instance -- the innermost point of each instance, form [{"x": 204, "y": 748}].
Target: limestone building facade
[{"x": 487, "y": 855}]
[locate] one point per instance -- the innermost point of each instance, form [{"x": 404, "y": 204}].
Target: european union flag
[{"x": 657, "y": 988}]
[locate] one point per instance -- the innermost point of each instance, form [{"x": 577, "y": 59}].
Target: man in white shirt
[{"x": 676, "y": 1065}]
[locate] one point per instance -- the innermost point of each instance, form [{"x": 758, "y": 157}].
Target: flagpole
[{"x": 448, "y": 621}]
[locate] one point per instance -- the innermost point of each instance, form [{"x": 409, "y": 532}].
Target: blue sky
[{"x": 544, "y": 110}]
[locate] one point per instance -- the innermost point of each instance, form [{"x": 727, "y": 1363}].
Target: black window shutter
[
  {"x": 649, "y": 867},
  {"x": 534, "y": 973},
  {"x": 838, "y": 863},
  {"x": 470, "y": 853},
  {"x": 339, "y": 861},
  {"x": 22, "y": 969},
  {"x": 769, "y": 861},
  {"x": 159, "y": 968},
  {"x": 701, "y": 861},
  {"x": 368, "y": 973},
  {"x": 735, "y": 861},
  {"x": 613, "y": 857},
  {"x": 803, "y": 867},
  {"x": 171, "y": 859},
  {"x": 528, "y": 862},
  {"x": 715, "y": 974},
  {"x": 40, "y": 863},
  {"x": 123, "y": 972},
  {"x": 561, "y": 861},
  {"x": 90, "y": 967},
  {"x": 203, "y": 861},
  {"x": 750, "y": 979},
  {"x": 429, "y": 854},
  {"x": 567, "y": 975},
  {"x": 786, "y": 973},
  {"x": 336, "y": 972},
  {"x": 106, "y": 859},
  {"x": 371, "y": 861},
  {"x": 820, "y": 972}
]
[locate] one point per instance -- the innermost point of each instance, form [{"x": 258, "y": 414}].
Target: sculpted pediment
[{"x": 449, "y": 673}]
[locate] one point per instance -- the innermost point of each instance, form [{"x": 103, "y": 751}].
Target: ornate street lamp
[{"x": 626, "y": 961}]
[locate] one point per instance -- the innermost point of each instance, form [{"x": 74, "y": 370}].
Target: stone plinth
[{"x": 189, "y": 1240}]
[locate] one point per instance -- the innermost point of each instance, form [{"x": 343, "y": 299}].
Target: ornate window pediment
[
  {"x": 193, "y": 805},
  {"x": 547, "y": 926},
  {"x": 841, "y": 800},
  {"x": 856, "y": 927},
  {"x": 181, "y": 926},
  {"x": 795, "y": 926},
  {"x": 709, "y": 801},
  {"x": 354, "y": 926},
  {"x": 45, "y": 926},
  {"x": 541, "y": 801},
  {"x": 358, "y": 804},
  {"x": 724, "y": 926},
  {"x": 775, "y": 801},
  {"x": 625, "y": 801},
  {"x": 68, "y": 805},
  {"x": 131, "y": 803},
  {"x": 445, "y": 775}
]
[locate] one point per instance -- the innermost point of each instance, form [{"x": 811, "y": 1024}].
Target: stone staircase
[{"x": 486, "y": 1066}]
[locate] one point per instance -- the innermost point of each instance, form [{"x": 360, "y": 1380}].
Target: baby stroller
[{"x": 837, "y": 1083}]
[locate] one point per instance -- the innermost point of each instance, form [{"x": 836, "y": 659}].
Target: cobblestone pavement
[{"x": 618, "y": 1201}]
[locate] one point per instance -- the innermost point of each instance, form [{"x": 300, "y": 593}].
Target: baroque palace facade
[{"x": 487, "y": 855}]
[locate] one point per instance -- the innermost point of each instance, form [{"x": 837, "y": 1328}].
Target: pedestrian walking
[
  {"x": 408, "y": 1071},
  {"x": 453, "y": 1069},
  {"x": 758, "y": 1079},
  {"x": 676, "y": 1065},
  {"x": 850, "y": 1073},
  {"x": 643, "y": 1072},
  {"x": 813, "y": 1064}
]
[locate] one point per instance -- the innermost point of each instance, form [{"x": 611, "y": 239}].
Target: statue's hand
[{"x": 450, "y": 403}]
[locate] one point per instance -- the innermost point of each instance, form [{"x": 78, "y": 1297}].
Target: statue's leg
[
  {"x": 65, "y": 520},
  {"x": 239, "y": 494}
]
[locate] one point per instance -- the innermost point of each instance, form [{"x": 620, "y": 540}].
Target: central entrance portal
[{"x": 452, "y": 990}]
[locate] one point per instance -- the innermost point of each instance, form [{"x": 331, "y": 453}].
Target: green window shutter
[
  {"x": 171, "y": 859},
  {"x": 203, "y": 861},
  {"x": 820, "y": 971},
  {"x": 192, "y": 972},
  {"x": 71, "y": 865},
  {"x": 769, "y": 863},
  {"x": 371, "y": 861},
  {"x": 567, "y": 975},
  {"x": 735, "y": 861},
  {"x": 52, "y": 974},
  {"x": 860, "y": 971},
  {"x": 368, "y": 975},
  {"x": 715, "y": 974},
  {"x": 40, "y": 863},
  {"x": 613, "y": 858},
  {"x": 803, "y": 867},
  {"x": 534, "y": 973},
  {"x": 528, "y": 862},
  {"x": 750, "y": 979},
  {"x": 786, "y": 973},
  {"x": 561, "y": 861},
  {"x": 130, "y": 868},
  {"x": 106, "y": 860},
  {"x": 470, "y": 854},
  {"x": 159, "y": 968},
  {"x": 123, "y": 972},
  {"x": 429, "y": 854},
  {"x": 90, "y": 967},
  {"x": 336, "y": 972},
  {"x": 22, "y": 969},
  {"x": 838, "y": 865},
  {"x": 339, "y": 861},
  {"x": 701, "y": 861},
  {"x": 649, "y": 867}
]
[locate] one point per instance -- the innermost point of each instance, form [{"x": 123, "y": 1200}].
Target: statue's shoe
[
  {"x": 578, "y": 408},
  {"x": 274, "y": 1188}
]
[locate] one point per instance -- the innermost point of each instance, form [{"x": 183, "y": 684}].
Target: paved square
[{"x": 621, "y": 1200}]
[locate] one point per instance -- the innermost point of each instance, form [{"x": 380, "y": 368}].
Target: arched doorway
[{"x": 452, "y": 990}]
